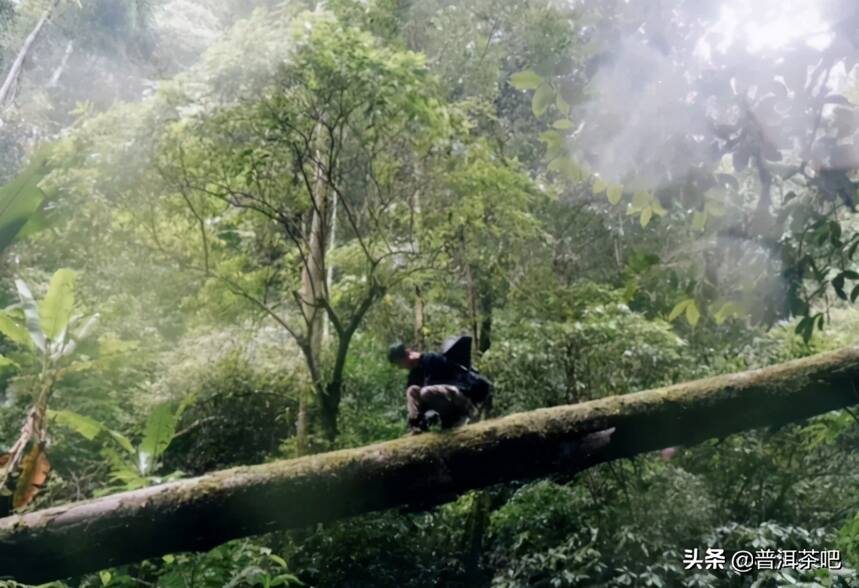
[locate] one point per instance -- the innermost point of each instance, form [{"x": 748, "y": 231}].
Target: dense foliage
[{"x": 219, "y": 214}]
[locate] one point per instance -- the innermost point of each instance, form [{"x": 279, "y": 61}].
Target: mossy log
[{"x": 200, "y": 513}]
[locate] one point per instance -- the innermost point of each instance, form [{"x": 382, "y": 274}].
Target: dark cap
[{"x": 396, "y": 352}]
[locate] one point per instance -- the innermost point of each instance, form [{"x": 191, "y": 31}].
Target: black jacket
[
  {"x": 432, "y": 369},
  {"x": 435, "y": 368}
]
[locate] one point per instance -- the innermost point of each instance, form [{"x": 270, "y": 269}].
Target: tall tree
[{"x": 344, "y": 129}]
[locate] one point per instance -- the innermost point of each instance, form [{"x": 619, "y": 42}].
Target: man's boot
[{"x": 417, "y": 426}]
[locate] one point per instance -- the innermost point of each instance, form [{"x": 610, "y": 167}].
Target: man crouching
[{"x": 435, "y": 384}]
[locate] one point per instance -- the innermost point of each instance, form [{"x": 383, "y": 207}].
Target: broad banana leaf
[
  {"x": 39, "y": 221},
  {"x": 14, "y": 331},
  {"x": 31, "y": 312},
  {"x": 78, "y": 335},
  {"x": 56, "y": 307},
  {"x": 21, "y": 199}
]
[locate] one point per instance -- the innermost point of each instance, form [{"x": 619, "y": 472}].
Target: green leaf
[
  {"x": 556, "y": 164},
  {"x": 38, "y": 221},
  {"x": 646, "y": 215},
  {"x": 20, "y": 199},
  {"x": 599, "y": 185},
  {"x": 122, "y": 440},
  {"x": 31, "y": 312},
  {"x": 56, "y": 308},
  {"x": 834, "y": 232},
  {"x": 553, "y": 140},
  {"x": 614, "y": 193},
  {"x": 89, "y": 428},
  {"x": 562, "y": 105},
  {"x": 805, "y": 328},
  {"x": 14, "y": 331},
  {"x": 565, "y": 166},
  {"x": 693, "y": 315},
  {"x": 574, "y": 171},
  {"x": 630, "y": 290},
  {"x": 678, "y": 309},
  {"x": 85, "y": 426},
  {"x": 641, "y": 199},
  {"x": 838, "y": 285},
  {"x": 277, "y": 559},
  {"x": 526, "y": 80},
  {"x": 722, "y": 312},
  {"x": 5, "y": 361},
  {"x": 159, "y": 431},
  {"x": 84, "y": 330},
  {"x": 563, "y": 124},
  {"x": 543, "y": 97},
  {"x": 699, "y": 220}
]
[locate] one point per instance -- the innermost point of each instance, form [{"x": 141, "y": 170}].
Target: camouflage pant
[{"x": 451, "y": 405}]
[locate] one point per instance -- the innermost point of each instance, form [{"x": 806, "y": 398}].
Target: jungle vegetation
[{"x": 215, "y": 217}]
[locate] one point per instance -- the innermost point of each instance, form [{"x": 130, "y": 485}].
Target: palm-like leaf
[
  {"x": 89, "y": 427},
  {"x": 55, "y": 309},
  {"x": 160, "y": 429},
  {"x": 14, "y": 331},
  {"x": 20, "y": 199},
  {"x": 31, "y": 312}
]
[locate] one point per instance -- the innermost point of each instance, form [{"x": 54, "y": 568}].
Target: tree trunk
[
  {"x": 18, "y": 64},
  {"x": 475, "y": 530},
  {"x": 332, "y": 393},
  {"x": 314, "y": 289},
  {"x": 420, "y": 317},
  {"x": 58, "y": 72},
  {"x": 329, "y": 268},
  {"x": 200, "y": 513},
  {"x": 419, "y": 338},
  {"x": 471, "y": 293},
  {"x": 315, "y": 279},
  {"x": 33, "y": 437},
  {"x": 484, "y": 342},
  {"x": 330, "y": 401}
]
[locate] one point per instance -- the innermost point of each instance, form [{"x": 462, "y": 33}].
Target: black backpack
[{"x": 475, "y": 387}]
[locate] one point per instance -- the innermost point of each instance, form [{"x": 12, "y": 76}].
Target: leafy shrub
[
  {"x": 373, "y": 405},
  {"x": 390, "y": 549},
  {"x": 239, "y": 415},
  {"x": 233, "y": 565},
  {"x": 608, "y": 350}
]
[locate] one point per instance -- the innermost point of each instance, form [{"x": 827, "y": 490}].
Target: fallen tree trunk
[{"x": 202, "y": 512}]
